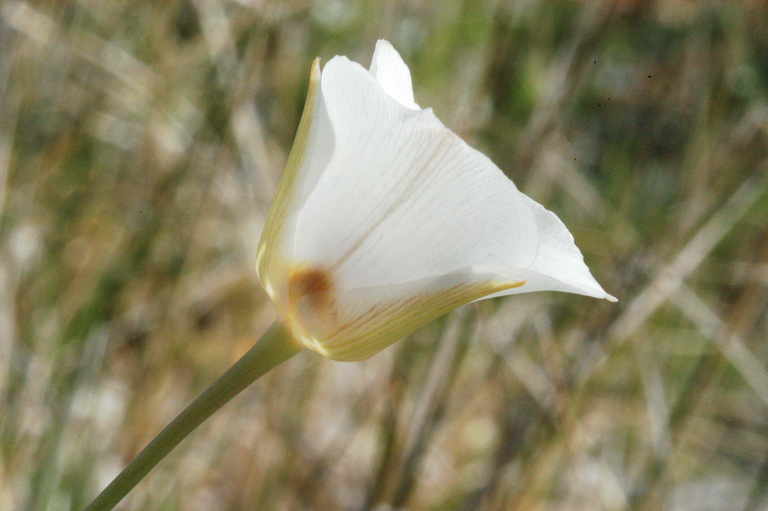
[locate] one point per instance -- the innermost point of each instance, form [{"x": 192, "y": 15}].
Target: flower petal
[
  {"x": 403, "y": 198},
  {"x": 379, "y": 317},
  {"x": 309, "y": 156},
  {"x": 392, "y": 73},
  {"x": 559, "y": 264}
]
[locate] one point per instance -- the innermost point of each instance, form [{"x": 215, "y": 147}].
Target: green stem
[{"x": 275, "y": 347}]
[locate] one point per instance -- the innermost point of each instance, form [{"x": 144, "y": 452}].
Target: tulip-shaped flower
[{"x": 385, "y": 219}]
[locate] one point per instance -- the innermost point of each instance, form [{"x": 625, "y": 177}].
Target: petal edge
[{"x": 392, "y": 73}]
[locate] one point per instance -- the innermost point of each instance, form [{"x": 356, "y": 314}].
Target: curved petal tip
[{"x": 392, "y": 73}]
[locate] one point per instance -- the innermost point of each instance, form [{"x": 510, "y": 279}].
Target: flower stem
[{"x": 275, "y": 346}]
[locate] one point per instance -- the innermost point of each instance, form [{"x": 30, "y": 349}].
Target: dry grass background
[{"x": 140, "y": 143}]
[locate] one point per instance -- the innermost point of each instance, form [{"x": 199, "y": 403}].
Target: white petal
[
  {"x": 558, "y": 265},
  {"x": 318, "y": 151},
  {"x": 403, "y": 199},
  {"x": 392, "y": 73},
  {"x": 307, "y": 161}
]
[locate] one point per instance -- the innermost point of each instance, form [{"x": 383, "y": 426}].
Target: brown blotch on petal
[{"x": 311, "y": 287}]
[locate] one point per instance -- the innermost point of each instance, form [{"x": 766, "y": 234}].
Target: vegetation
[{"x": 140, "y": 144}]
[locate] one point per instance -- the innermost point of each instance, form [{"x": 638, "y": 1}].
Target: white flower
[{"x": 385, "y": 219}]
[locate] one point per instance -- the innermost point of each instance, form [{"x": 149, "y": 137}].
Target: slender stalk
[{"x": 275, "y": 347}]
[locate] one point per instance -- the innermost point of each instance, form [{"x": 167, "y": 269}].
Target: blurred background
[{"x": 140, "y": 144}]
